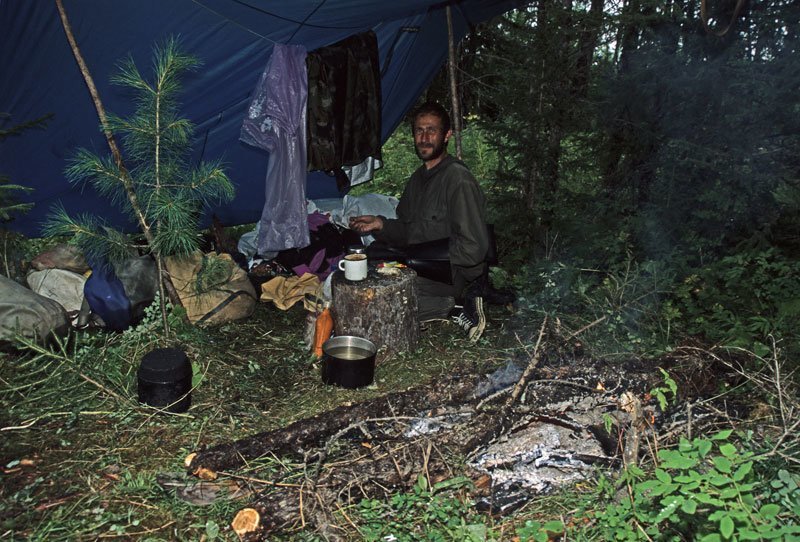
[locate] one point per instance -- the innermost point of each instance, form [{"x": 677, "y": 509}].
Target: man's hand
[{"x": 366, "y": 223}]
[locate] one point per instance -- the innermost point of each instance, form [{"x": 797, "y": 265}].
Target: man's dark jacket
[{"x": 443, "y": 202}]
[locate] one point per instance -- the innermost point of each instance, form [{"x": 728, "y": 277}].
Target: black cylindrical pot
[
  {"x": 348, "y": 361},
  {"x": 165, "y": 379}
]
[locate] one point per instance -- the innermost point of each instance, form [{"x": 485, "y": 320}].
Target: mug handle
[{"x": 341, "y": 265}]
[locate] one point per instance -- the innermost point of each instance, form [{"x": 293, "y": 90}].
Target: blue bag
[{"x": 106, "y": 297}]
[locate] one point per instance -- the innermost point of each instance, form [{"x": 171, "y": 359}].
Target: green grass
[{"x": 81, "y": 457}]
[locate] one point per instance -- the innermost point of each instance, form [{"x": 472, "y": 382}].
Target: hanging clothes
[
  {"x": 276, "y": 122},
  {"x": 344, "y": 103}
]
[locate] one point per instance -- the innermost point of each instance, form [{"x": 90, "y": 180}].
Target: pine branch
[
  {"x": 96, "y": 239},
  {"x": 210, "y": 183},
  {"x": 8, "y": 205},
  {"x": 17, "y": 129}
]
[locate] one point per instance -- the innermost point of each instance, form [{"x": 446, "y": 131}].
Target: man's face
[{"x": 430, "y": 140}]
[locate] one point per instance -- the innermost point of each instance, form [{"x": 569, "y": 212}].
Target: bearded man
[{"x": 441, "y": 200}]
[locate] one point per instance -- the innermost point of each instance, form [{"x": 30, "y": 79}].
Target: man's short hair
[{"x": 432, "y": 108}]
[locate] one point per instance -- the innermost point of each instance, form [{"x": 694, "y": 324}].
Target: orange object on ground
[{"x": 322, "y": 330}]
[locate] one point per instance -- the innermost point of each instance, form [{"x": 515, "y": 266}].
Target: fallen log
[{"x": 311, "y": 432}]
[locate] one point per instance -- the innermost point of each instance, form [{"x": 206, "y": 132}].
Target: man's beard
[{"x": 436, "y": 152}]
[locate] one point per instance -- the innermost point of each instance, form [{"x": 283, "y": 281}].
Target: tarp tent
[{"x": 233, "y": 39}]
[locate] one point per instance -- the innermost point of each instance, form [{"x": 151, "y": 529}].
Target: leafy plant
[
  {"x": 425, "y": 513},
  {"x": 705, "y": 490},
  {"x": 785, "y": 491},
  {"x": 743, "y": 298},
  {"x": 534, "y": 531},
  {"x": 660, "y": 393}
]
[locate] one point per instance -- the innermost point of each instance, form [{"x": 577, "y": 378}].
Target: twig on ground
[
  {"x": 503, "y": 391},
  {"x": 689, "y": 420},
  {"x": 586, "y": 327},
  {"x": 346, "y": 517},
  {"x": 633, "y": 406},
  {"x": 521, "y": 383},
  {"x": 31, "y": 422},
  {"x": 128, "y": 535},
  {"x": 250, "y": 479}
]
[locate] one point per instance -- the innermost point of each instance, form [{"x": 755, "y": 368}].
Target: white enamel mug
[{"x": 354, "y": 266}]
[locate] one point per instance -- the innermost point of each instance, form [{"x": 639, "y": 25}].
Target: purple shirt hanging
[{"x": 276, "y": 123}]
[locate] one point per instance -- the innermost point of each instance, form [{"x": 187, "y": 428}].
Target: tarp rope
[{"x": 313, "y": 11}]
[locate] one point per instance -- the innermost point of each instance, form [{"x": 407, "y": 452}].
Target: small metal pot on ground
[
  {"x": 165, "y": 380},
  {"x": 348, "y": 361}
]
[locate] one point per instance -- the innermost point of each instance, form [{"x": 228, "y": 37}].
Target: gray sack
[{"x": 24, "y": 312}]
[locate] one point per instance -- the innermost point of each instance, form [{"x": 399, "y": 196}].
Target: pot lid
[{"x": 165, "y": 365}]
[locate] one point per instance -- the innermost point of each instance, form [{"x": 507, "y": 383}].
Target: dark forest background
[{"x": 647, "y": 164}]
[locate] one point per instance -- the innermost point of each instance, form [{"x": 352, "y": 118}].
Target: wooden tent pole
[
  {"x": 451, "y": 65},
  {"x": 101, "y": 112},
  {"x": 166, "y": 282}
]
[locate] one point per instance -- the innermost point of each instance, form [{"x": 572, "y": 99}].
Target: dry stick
[
  {"x": 154, "y": 529},
  {"x": 521, "y": 383},
  {"x": 600, "y": 319},
  {"x": 787, "y": 431},
  {"x": 630, "y": 454},
  {"x": 778, "y": 386},
  {"x": 587, "y": 326},
  {"x": 426, "y": 457},
  {"x": 29, "y": 423},
  {"x": 300, "y": 496},
  {"x": 125, "y": 178},
  {"x": 5, "y": 256},
  {"x": 503, "y": 391},
  {"x": 350, "y": 521},
  {"x": 252, "y": 480}
]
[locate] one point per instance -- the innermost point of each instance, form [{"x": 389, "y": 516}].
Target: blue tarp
[{"x": 233, "y": 39}]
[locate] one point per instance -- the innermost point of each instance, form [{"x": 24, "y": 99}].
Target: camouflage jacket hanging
[{"x": 344, "y": 103}]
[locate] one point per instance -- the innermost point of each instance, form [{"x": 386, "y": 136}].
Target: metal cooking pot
[{"x": 348, "y": 361}]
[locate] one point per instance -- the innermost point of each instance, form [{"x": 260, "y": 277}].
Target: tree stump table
[{"x": 381, "y": 308}]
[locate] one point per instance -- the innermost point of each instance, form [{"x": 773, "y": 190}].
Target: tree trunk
[
  {"x": 587, "y": 43},
  {"x": 381, "y": 308},
  {"x": 451, "y": 70}
]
